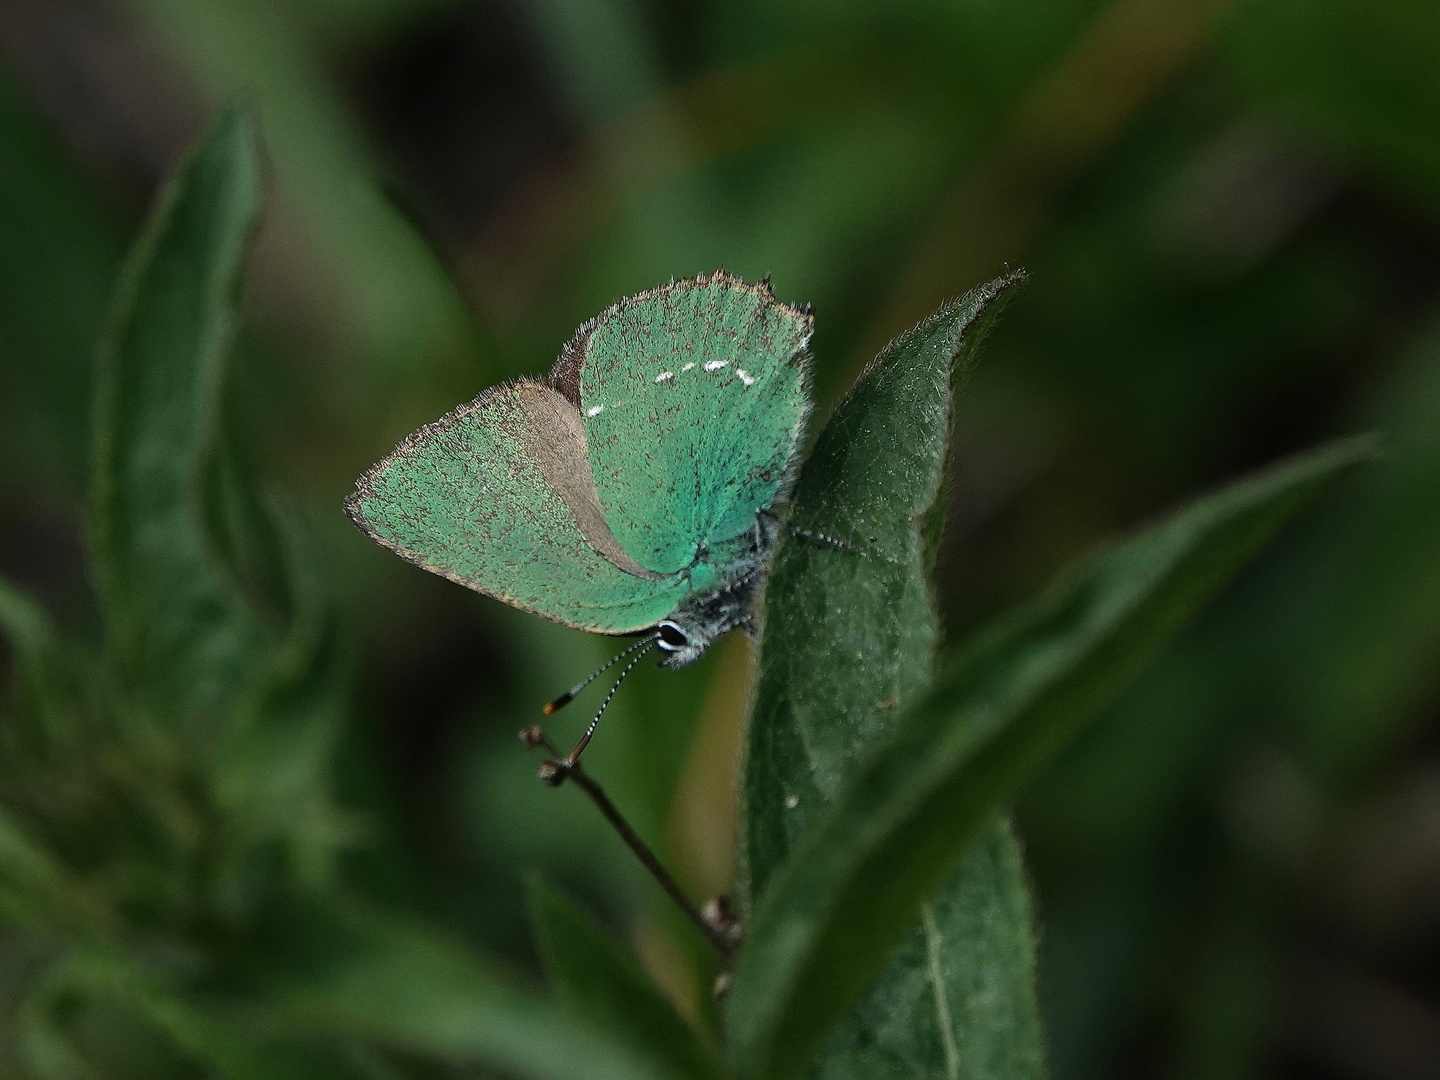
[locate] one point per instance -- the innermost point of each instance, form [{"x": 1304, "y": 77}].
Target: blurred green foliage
[
  {"x": 1229, "y": 217},
  {"x": 169, "y": 837}
]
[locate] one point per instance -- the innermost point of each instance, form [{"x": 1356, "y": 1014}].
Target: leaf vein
[{"x": 933, "y": 947}]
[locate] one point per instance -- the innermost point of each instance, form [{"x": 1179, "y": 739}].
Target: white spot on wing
[
  {"x": 745, "y": 376},
  {"x": 716, "y": 365},
  {"x": 664, "y": 376},
  {"x": 792, "y": 801},
  {"x": 594, "y": 411},
  {"x": 687, "y": 367}
]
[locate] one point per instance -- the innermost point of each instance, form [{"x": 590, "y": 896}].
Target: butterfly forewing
[{"x": 489, "y": 496}]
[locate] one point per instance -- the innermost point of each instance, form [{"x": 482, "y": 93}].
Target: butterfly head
[
  {"x": 692, "y": 629},
  {"x": 681, "y": 644}
]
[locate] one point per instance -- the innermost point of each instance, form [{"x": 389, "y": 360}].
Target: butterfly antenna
[
  {"x": 569, "y": 695},
  {"x": 649, "y": 644},
  {"x": 807, "y": 534}
]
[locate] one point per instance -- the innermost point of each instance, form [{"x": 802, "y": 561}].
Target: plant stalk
[{"x": 722, "y": 932}]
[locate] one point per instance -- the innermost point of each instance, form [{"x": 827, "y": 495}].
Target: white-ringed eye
[{"x": 672, "y": 637}]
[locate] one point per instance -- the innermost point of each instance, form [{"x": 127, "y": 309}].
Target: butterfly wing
[
  {"x": 497, "y": 496},
  {"x": 694, "y": 396}
]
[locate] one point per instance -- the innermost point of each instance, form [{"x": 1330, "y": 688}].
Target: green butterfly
[{"x": 631, "y": 492}]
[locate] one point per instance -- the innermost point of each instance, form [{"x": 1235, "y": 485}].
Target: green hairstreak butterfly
[{"x": 631, "y": 492}]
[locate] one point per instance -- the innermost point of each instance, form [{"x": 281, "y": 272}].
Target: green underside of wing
[
  {"x": 461, "y": 499},
  {"x": 690, "y": 458}
]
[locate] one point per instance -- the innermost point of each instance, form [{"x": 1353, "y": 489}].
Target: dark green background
[{"x": 1231, "y": 218}]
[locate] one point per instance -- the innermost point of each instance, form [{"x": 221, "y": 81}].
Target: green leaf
[
  {"x": 850, "y": 633},
  {"x": 229, "y": 680},
  {"x": 920, "y": 803},
  {"x": 958, "y": 998},
  {"x": 597, "y": 978},
  {"x": 177, "y": 619}
]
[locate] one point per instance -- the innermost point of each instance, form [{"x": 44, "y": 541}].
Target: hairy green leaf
[
  {"x": 596, "y": 977},
  {"x": 850, "y": 640},
  {"x": 176, "y": 618},
  {"x": 850, "y": 630},
  {"x": 933, "y": 788},
  {"x": 957, "y": 998}
]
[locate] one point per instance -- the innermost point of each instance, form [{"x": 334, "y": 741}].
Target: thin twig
[{"x": 559, "y": 769}]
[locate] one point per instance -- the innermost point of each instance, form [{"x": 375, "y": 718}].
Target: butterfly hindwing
[
  {"x": 497, "y": 496},
  {"x": 694, "y": 397}
]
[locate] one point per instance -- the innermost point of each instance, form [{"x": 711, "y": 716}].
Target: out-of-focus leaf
[
  {"x": 48, "y": 1050},
  {"x": 597, "y": 978},
  {"x": 601, "y": 52},
  {"x": 243, "y": 532},
  {"x": 352, "y": 973},
  {"x": 272, "y": 776},
  {"x": 397, "y": 309},
  {"x": 918, "y": 804},
  {"x": 1317, "y": 670},
  {"x": 199, "y": 742},
  {"x": 55, "y": 702},
  {"x": 850, "y": 639},
  {"x": 1359, "y": 75},
  {"x": 365, "y": 21},
  {"x": 1367, "y": 657},
  {"x": 228, "y": 1044},
  {"x": 59, "y": 248},
  {"x": 36, "y": 892},
  {"x": 235, "y": 1050},
  {"x": 177, "y": 622},
  {"x": 51, "y": 718}
]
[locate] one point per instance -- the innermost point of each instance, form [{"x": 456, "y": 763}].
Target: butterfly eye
[{"x": 671, "y": 636}]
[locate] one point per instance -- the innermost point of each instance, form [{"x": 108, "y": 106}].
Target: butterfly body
[
  {"x": 632, "y": 491},
  {"x": 706, "y": 615}
]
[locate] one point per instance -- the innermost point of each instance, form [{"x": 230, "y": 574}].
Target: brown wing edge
[{"x": 555, "y": 440}]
